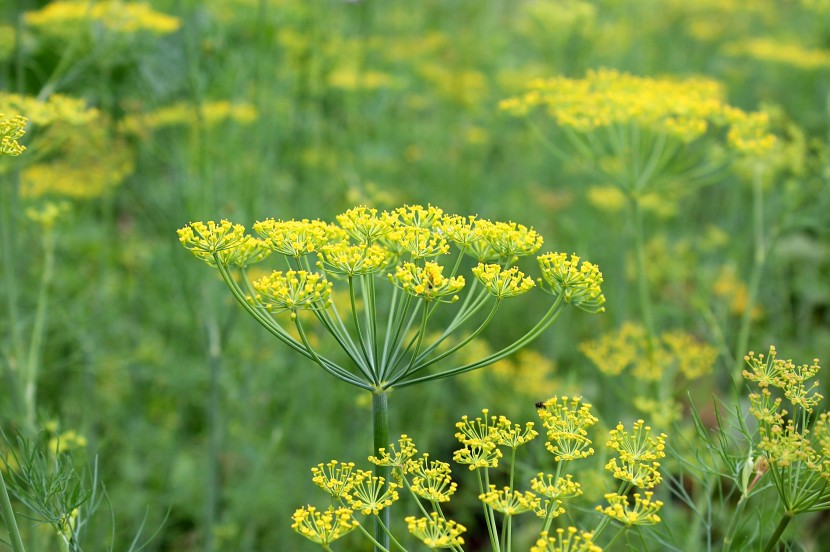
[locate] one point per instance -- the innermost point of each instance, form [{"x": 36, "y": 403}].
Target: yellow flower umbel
[
  {"x": 644, "y": 511},
  {"x": 64, "y": 19},
  {"x": 427, "y": 282},
  {"x": 682, "y": 110},
  {"x": 293, "y": 290},
  {"x": 12, "y": 129},
  {"x": 566, "y": 541},
  {"x": 323, "y": 527},
  {"x": 567, "y": 421},
  {"x": 502, "y": 283},
  {"x": 335, "y": 478},
  {"x": 206, "y": 239},
  {"x": 794, "y": 440},
  {"x": 436, "y": 532},
  {"x": 638, "y": 454},
  {"x": 370, "y": 494},
  {"x": 577, "y": 282},
  {"x": 431, "y": 479},
  {"x": 508, "y": 501}
]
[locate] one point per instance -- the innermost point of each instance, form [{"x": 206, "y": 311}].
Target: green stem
[
  {"x": 733, "y": 524},
  {"x": 380, "y": 439},
  {"x": 8, "y": 517},
  {"x": 758, "y": 262},
  {"x": 779, "y": 530},
  {"x": 642, "y": 279},
  {"x": 8, "y": 208},
  {"x": 39, "y": 330}
]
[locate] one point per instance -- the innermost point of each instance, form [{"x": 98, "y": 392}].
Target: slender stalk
[
  {"x": 779, "y": 530},
  {"x": 642, "y": 279},
  {"x": 758, "y": 261},
  {"x": 8, "y": 209},
  {"x": 380, "y": 439},
  {"x": 733, "y": 524},
  {"x": 39, "y": 330},
  {"x": 8, "y": 517}
]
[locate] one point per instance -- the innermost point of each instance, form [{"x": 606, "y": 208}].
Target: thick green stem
[
  {"x": 380, "y": 439},
  {"x": 642, "y": 277},
  {"x": 8, "y": 517},
  {"x": 733, "y": 525},
  {"x": 758, "y": 261},
  {"x": 39, "y": 330},
  {"x": 776, "y": 536}
]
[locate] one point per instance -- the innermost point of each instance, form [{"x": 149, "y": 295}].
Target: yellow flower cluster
[
  {"x": 335, "y": 478},
  {"x": 628, "y": 349},
  {"x": 48, "y": 214},
  {"x": 293, "y": 290},
  {"x": 644, "y": 511},
  {"x": 370, "y": 494},
  {"x": 785, "y": 438},
  {"x": 509, "y": 501},
  {"x": 680, "y": 108},
  {"x": 89, "y": 164},
  {"x": 432, "y": 479},
  {"x": 205, "y": 239},
  {"x": 323, "y": 527},
  {"x": 578, "y": 282},
  {"x": 12, "y": 129},
  {"x": 767, "y": 49},
  {"x": 353, "y": 260},
  {"x": 502, "y": 283},
  {"x": 427, "y": 282},
  {"x": 480, "y": 438},
  {"x": 62, "y": 18},
  {"x": 57, "y": 108},
  {"x": 435, "y": 531},
  {"x": 638, "y": 454},
  {"x": 397, "y": 458},
  {"x": 418, "y": 242},
  {"x": 566, "y": 541},
  {"x": 554, "y": 491},
  {"x": 210, "y": 113},
  {"x": 293, "y": 238},
  {"x": 567, "y": 421}
]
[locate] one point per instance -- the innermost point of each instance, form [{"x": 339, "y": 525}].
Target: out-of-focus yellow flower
[
  {"x": 210, "y": 113},
  {"x": 65, "y": 18},
  {"x": 735, "y": 293},
  {"x": 768, "y": 49},
  {"x": 8, "y": 37},
  {"x": 683, "y": 109},
  {"x": 351, "y": 78},
  {"x": 48, "y": 214},
  {"x": 628, "y": 348},
  {"x": 57, "y": 108},
  {"x": 66, "y": 441}
]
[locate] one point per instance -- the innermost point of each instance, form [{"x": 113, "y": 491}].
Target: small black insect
[{"x": 540, "y": 404}]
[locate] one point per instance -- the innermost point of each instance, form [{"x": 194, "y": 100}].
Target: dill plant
[{"x": 388, "y": 264}]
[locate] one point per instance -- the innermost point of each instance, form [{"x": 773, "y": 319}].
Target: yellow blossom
[
  {"x": 293, "y": 290},
  {"x": 508, "y": 501},
  {"x": 426, "y": 282},
  {"x": 566, "y": 541},
  {"x": 336, "y": 478},
  {"x": 644, "y": 511},
  {"x": 567, "y": 421},
  {"x": 323, "y": 527},
  {"x": 638, "y": 453},
  {"x": 369, "y": 494},
  {"x": 579, "y": 282},
  {"x": 502, "y": 282},
  {"x": 435, "y": 531},
  {"x": 12, "y": 129},
  {"x": 205, "y": 239},
  {"x": 293, "y": 238},
  {"x": 353, "y": 260},
  {"x": 61, "y": 18}
]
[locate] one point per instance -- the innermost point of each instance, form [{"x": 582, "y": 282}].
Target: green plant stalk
[
  {"x": 9, "y": 206},
  {"x": 380, "y": 439},
  {"x": 642, "y": 279},
  {"x": 733, "y": 524},
  {"x": 758, "y": 262},
  {"x": 8, "y": 517},
  {"x": 38, "y": 331},
  {"x": 779, "y": 530},
  {"x": 214, "y": 421}
]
